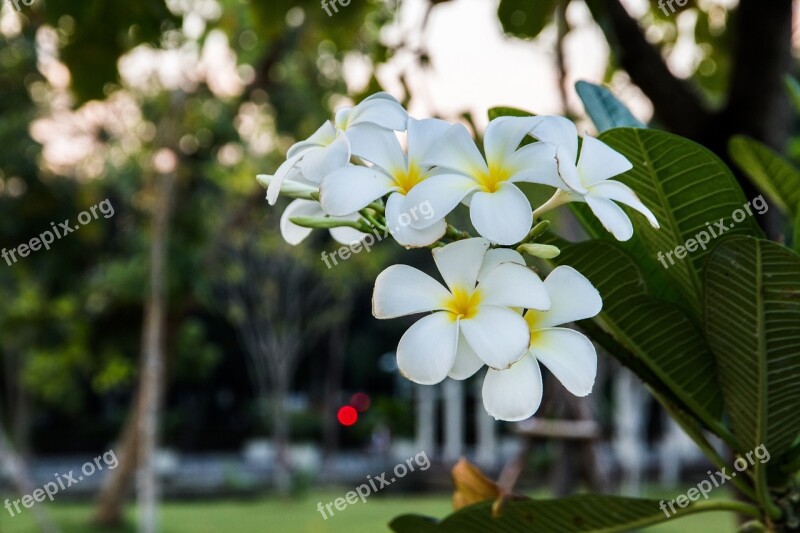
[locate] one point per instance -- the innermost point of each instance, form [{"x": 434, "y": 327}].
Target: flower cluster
[{"x": 354, "y": 175}]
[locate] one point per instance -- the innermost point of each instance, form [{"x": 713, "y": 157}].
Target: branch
[{"x": 677, "y": 104}]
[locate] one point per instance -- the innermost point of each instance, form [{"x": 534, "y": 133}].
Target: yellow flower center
[
  {"x": 534, "y": 319},
  {"x": 463, "y": 303},
  {"x": 490, "y": 181},
  {"x": 408, "y": 178}
]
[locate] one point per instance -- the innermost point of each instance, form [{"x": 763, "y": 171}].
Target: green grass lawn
[{"x": 301, "y": 516}]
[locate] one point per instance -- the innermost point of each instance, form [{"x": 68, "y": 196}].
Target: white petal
[
  {"x": 285, "y": 172},
  {"x": 292, "y": 233},
  {"x": 378, "y": 146},
  {"x": 559, "y": 131},
  {"x": 496, "y": 257},
  {"x": 459, "y": 262},
  {"x": 466, "y": 363},
  {"x": 324, "y": 136},
  {"x": 536, "y": 163},
  {"x": 380, "y": 109},
  {"x": 403, "y": 290},
  {"x": 456, "y": 151},
  {"x": 427, "y": 350},
  {"x": 423, "y": 135},
  {"x": 599, "y": 161},
  {"x": 497, "y": 335},
  {"x": 611, "y": 216},
  {"x": 350, "y": 189},
  {"x": 289, "y": 186},
  {"x": 503, "y": 136},
  {"x": 504, "y": 216},
  {"x": 398, "y": 220},
  {"x": 514, "y": 394},
  {"x": 569, "y": 355},
  {"x": 572, "y": 297},
  {"x": 619, "y": 192},
  {"x": 442, "y": 192},
  {"x": 568, "y": 172},
  {"x": 317, "y": 163},
  {"x": 513, "y": 285}
]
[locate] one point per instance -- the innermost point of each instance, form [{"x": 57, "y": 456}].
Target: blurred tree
[
  {"x": 280, "y": 305},
  {"x": 736, "y": 87}
]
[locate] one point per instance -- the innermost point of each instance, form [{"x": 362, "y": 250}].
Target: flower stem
[
  {"x": 456, "y": 234},
  {"x": 558, "y": 199}
]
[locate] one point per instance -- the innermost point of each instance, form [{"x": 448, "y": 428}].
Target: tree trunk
[
  {"x": 20, "y": 477},
  {"x": 111, "y": 499},
  {"x": 154, "y": 356}
]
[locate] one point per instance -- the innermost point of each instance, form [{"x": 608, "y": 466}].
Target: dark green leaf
[
  {"x": 525, "y": 19},
  {"x": 495, "y": 112},
  {"x": 660, "y": 334},
  {"x": 574, "y": 514},
  {"x": 752, "y": 311},
  {"x": 793, "y": 86},
  {"x": 769, "y": 171},
  {"x": 689, "y": 189}
]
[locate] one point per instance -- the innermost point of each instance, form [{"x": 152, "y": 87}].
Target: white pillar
[
  {"x": 426, "y": 419},
  {"x": 630, "y": 408},
  {"x": 453, "y": 420},
  {"x": 486, "y": 445}
]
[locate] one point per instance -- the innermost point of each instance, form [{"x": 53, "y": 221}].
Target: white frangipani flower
[
  {"x": 516, "y": 393},
  {"x": 470, "y": 320},
  {"x": 306, "y": 207},
  {"x": 587, "y": 176},
  {"x": 499, "y": 210},
  {"x": 332, "y": 145},
  {"x": 350, "y": 189},
  {"x": 467, "y": 363}
]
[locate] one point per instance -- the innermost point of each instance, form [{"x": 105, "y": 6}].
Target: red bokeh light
[
  {"x": 347, "y": 415},
  {"x": 360, "y": 401}
]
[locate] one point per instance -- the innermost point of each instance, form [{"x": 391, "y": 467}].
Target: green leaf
[
  {"x": 586, "y": 512},
  {"x": 752, "y": 310},
  {"x": 768, "y": 170},
  {"x": 501, "y": 111},
  {"x": 604, "y": 109},
  {"x": 793, "y": 86},
  {"x": 662, "y": 336},
  {"x": 690, "y": 191},
  {"x": 103, "y": 32},
  {"x": 796, "y": 232},
  {"x": 525, "y": 19}
]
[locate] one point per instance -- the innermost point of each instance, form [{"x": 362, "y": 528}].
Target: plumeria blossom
[
  {"x": 332, "y": 145},
  {"x": 468, "y": 320},
  {"x": 304, "y": 206},
  {"x": 499, "y": 210},
  {"x": 587, "y": 176},
  {"x": 350, "y": 189},
  {"x": 516, "y": 393}
]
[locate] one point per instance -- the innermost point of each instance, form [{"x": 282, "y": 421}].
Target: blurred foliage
[
  {"x": 706, "y": 20},
  {"x": 72, "y": 316}
]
